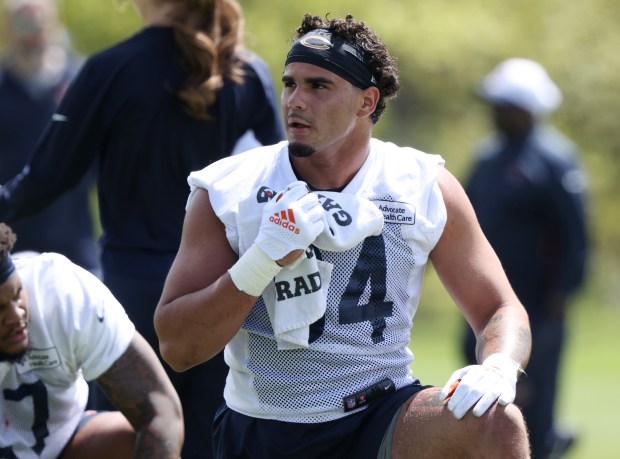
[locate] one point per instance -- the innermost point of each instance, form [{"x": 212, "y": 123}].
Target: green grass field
[{"x": 590, "y": 384}]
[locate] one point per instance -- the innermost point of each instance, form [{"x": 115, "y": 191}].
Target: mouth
[
  {"x": 18, "y": 335},
  {"x": 297, "y": 123}
]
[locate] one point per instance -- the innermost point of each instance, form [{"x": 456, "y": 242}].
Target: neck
[
  {"x": 517, "y": 135},
  {"x": 331, "y": 170},
  {"x": 49, "y": 61},
  {"x": 27, "y": 63}
]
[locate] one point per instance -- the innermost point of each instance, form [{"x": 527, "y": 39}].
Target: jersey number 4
[{"x": 370, "y": 272}]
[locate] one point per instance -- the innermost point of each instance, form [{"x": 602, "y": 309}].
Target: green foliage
[
  {"x": 443, "y": 48},
  {"x": 588, "y": 399},
  {"x": 95, "y": 25}
]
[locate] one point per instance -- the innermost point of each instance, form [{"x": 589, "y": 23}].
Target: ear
[{"x": 370, "y": 98}]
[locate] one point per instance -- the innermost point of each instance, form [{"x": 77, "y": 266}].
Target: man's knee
[
  {"x": 427, "y": 428},
  {"x": 505, "y": 431},
  {"x": 105, "y": 435},
  {"x": 500, "y": 432}
]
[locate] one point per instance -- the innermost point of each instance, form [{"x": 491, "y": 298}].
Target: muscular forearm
[
  {"x": 506, "y": 332},
  {"x": 137, "y": 385},
  {"x": 161, "y": 439},
  {"x": 195, "y": 327}
]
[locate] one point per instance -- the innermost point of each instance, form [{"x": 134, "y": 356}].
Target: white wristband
[
  {"x": 503, "y": 363},
  {"x": 253, "y": 271}
]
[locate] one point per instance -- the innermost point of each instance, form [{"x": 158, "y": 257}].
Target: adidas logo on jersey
[{"x": 285, "y": 219}]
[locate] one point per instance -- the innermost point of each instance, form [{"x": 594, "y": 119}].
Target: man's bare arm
[
  {"x": 474, "y": 277},
  {"x": 137, "y": 385},
  {"x": 200, "y": 309}
]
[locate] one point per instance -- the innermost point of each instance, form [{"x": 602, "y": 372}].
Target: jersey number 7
[{"x": 38, "y": 392}]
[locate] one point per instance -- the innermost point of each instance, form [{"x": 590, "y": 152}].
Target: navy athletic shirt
[
  {"x": 122, "y": 112},
  {"x": 529, "y": 197},
  {"x": 66, "y": 226}
]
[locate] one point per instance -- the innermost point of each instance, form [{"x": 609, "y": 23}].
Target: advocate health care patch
[{"x": 397, "y": 212}]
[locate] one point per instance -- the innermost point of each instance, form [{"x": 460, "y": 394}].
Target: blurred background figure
[
  {"x": 37, "y": 65},
  {"x": 528, "y": 190},
  {"x": 167, "y": 100}
]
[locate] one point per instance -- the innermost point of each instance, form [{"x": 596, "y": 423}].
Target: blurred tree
[
  {"x": 444, "y": 48},
  {"x": 98, "y": 24}
]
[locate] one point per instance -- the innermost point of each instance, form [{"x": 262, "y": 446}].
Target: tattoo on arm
[
  {"x": 127, "y": 384},
  {"x": 137, "y": 385},
  {"x": 503, "y": 334}
]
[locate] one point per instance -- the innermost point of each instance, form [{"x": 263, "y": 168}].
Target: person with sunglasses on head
[{"x": 304, "y": 260}]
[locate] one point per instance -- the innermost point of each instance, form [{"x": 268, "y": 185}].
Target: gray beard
[{"x": 300, "y": 150}]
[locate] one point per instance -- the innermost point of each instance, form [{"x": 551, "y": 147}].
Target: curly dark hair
[
  {"x": 7, "y": 239},
  {"x": 381, "y": 63}
]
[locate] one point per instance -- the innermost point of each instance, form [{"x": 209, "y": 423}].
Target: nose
[
  {"x": 295, "y": 100},
  {"x": 14, "y": 312}
]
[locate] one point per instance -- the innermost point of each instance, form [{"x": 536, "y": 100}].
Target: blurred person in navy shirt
[
  {"x": 37, "y": 66},
  {"x": 529, "y": 191},
  {"x": 168, "y": 100}
]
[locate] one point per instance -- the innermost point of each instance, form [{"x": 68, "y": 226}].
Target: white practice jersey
[
  {"x": 373, "y": 291},
  {"x": 77, "y": 330}
]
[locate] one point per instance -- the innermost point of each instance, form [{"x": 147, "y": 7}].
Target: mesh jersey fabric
[
  {"x": 77, "y": 330},
  {"x": 372, "y": 296}
]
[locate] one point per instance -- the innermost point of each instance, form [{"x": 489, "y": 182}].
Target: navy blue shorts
[{"x": 358, "y": 435}]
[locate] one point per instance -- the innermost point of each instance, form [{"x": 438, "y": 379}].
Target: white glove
[
  {"x": 482, "y": 385},
  {"x": 291, "y": 220}
]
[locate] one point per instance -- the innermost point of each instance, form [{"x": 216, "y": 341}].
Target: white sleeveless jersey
[
  {"x": 77, "y": 330},
  {"x": 372, "y": 295}
]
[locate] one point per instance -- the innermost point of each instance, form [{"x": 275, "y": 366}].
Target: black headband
[
  {"x": 6, "y": 268},
  {"x": 322, "y": 48}
]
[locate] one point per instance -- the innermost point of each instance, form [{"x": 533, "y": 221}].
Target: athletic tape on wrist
[{"x": 253, "y": 271}]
